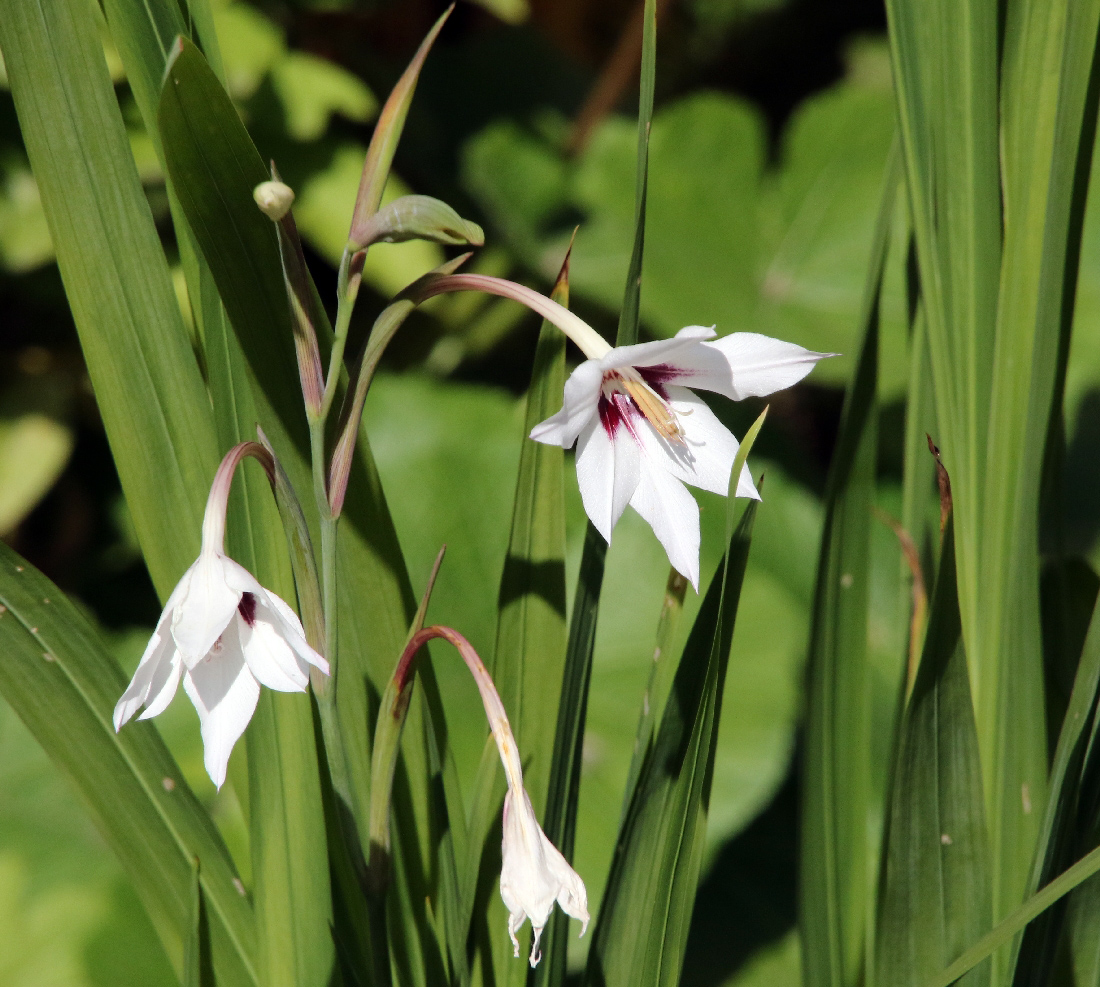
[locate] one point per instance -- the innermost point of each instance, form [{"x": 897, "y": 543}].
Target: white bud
[{"x": 274, "y": 199}]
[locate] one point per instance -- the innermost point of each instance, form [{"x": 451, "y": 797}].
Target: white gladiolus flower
[
  {"x": 641, "y": 434},
  {"x": 533, "y": 873},
  {"x": 225, "y": 636}
]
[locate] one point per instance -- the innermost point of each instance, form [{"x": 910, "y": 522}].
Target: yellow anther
[{"x": 657, "y": 411}]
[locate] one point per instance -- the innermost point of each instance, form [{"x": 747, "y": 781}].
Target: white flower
[
  {"x": 641, "y": 434},
  {"x": 534, "y": 874},
  {"x": 224, "y": 635}
]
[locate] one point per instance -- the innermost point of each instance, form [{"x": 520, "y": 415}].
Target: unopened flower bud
[{"x": 274, "y": 199}]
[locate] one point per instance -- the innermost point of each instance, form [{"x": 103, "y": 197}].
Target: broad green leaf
[
  {"x": 641, "y": 930},
  {"x": 936, "y": 882},
  {"x": 147, "y": 383},
  {"x": 24, "y": 232},
  {"x": 34, "y": 449},
  {"x": 730, "y": 242},
  {"x": 64, "y": 685},
  {"x": 312, "y": 89}
]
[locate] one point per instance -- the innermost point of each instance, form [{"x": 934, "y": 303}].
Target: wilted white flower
[
  {"x": 533, "y": 873},
  {"x": 225, "y": 636}
]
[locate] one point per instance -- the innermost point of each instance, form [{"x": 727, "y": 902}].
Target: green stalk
[{"x": 347, "y": 291}]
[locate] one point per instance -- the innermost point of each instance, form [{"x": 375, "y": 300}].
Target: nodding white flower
[
  {"x": 533, "y": 873},
  {"x": 224, "y": 635},
  {"x": 641, "y": 433}
]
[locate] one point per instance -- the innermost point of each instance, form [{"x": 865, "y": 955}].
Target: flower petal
[
  {"x": 282, "y": 615},
  {"x": 657, "y": 352},
  {"x": 270, "y": 659},
  {"x": 582, "y": 395},
  {"x": 163, "y": 688},
  {"x": 153, "y": 673},
  {"x": 225, "y": 694},
  {"x": 572, "y": 895},
  {"x": 705, "y": 457},
  {"x": 607, "y": 472},
  {"x": 673, "y": 515},
  {"x": 205, "y": 608},
  {"x": 744, "y": 364}
]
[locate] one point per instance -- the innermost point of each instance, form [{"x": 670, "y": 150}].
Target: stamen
[{"x": 657, "y": 411}]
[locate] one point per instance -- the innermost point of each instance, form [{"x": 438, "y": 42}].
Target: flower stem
[{"x": 348, "y": 280}]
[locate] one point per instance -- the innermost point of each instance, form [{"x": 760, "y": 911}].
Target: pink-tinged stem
[
  {"x": 213, "y": 521},
  {"x": 591, "y": 343},
  {"x": 391, "y": 719}
]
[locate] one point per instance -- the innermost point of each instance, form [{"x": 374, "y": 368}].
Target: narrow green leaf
[
  {"x": 529, "y": 654},
  {"x": 61, "y": 681},
  {"x": 1067, "y": 827},
  {"x": 1003, "y": 932},
  {"x": 147, "y": 383},
  {"x": 632, "y": 295},
  {"x": 198, "y": 967},
  {"x": 834, "y": 912},
  {"x": 387, "y": 134},
  {"x": 641, "y": 931},
  {"x": 936, "y": 882},
  {"x": 945, "y": 75},
  {"x": 564, "y": 784},
  {"x": 660, "y": 674}
]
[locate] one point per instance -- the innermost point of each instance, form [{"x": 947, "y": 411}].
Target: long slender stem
[{"x": 347, "y": 291}]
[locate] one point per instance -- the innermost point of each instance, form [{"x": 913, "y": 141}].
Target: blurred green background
[{"x": 773, "y": 124}]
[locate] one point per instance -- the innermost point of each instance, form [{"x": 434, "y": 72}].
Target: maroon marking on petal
[
  {"x": 661, "y": 373},
  {"x": 247, "y": 608},
  {"x": 610, "y": 415}
]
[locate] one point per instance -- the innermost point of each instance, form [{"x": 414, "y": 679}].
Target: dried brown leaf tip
[{"x": 943, "y": 481}]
